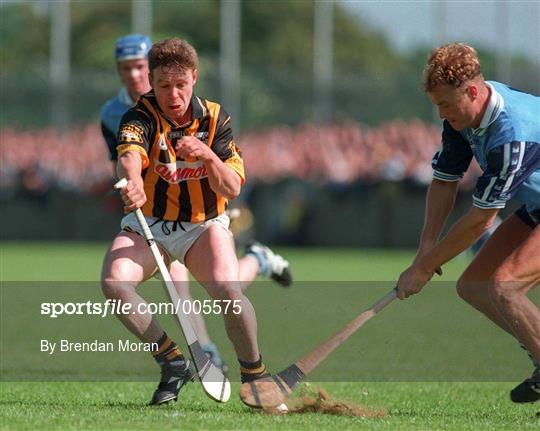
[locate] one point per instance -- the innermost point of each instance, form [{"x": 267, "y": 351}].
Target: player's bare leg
[
  {"x": 474, "y": 285},
  {"x": 129, "y": 258},
  {"x": 127, "y": 263},
  {"x": 248, "y": 269},
  {"x": 516, "y": 276},
  {"x": 212, "y": 261},
  {"x": 180, "y": 276}
]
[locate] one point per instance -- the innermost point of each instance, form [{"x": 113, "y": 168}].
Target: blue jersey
[
  {"x": 111, "y": 114},
  {"x": 506, "y": 146}
]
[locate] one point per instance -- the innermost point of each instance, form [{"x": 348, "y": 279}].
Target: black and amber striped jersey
[{"x": 178, "y": 189}]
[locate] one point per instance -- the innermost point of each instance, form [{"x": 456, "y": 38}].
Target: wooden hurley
[{"x": 272, "y": 391}]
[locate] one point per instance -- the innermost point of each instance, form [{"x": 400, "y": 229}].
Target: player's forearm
[
  {"x": 440, "y": 200},
  {"x": 222, "y": 179},
  {"x": 460, "y": 237},
  {"x": 129, "y": 166}
]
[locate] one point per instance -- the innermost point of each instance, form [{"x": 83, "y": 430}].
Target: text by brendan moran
[{"x": 63, "y": 346}]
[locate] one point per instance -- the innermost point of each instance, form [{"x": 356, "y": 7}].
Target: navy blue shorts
[{"x": 531, "y": 219}]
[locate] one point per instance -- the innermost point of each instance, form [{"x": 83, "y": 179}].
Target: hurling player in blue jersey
[
  {"x": 500, "y": 127},
  {"x": 131, "y": 55}
]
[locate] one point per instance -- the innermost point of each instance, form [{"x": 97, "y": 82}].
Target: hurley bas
[{"x": 96, "y": 346}]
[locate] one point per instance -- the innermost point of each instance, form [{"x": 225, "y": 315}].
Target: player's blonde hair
[
  {"x": 176, "y": 53},
  {"x": 451, "y": 64}
]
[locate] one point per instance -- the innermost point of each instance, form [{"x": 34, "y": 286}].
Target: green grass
[
  {"x": 409, "y": 360},
  {"x": 82, "y": 261},
  {"x": 420, "y": 406}
]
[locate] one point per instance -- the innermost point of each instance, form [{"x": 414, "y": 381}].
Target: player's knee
[
  {"x": 225, "y": 291},
  {"x": 116, "y": 280},
  {"x": 501, "y": 289}
]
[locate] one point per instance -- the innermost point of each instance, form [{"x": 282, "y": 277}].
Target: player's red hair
[{"x": 451, "y": 64}]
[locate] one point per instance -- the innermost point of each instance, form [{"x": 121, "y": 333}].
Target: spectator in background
[{"x": 362, "y": 153}]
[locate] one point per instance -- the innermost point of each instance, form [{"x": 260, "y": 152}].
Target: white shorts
[{"x": 175, "y": 243}]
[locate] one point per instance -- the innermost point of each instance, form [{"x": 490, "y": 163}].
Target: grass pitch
[{"x": 409, "y": 360}]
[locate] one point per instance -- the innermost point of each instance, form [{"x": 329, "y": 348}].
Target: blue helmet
[{"x": 132, "y": 46}]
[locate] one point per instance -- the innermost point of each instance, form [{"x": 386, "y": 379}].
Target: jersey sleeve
[
  {"x": 134, "y": 134},
  {"x": 225, "y": 147},
  {"x": 454, "y": 158},
  {"x": 110, "y": 140},
  {"x": 508, "y": 166}
]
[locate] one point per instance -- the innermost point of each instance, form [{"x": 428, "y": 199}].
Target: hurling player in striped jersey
[
  {"x": 500, "y": 127},
  {"x": 131, "y": 56}
]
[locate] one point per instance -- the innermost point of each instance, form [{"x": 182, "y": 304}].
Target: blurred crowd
[
  {"x": 337, "y": 153},
  {"x": 343, "y": 153},
  {"x": 38, "y": 160}
]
